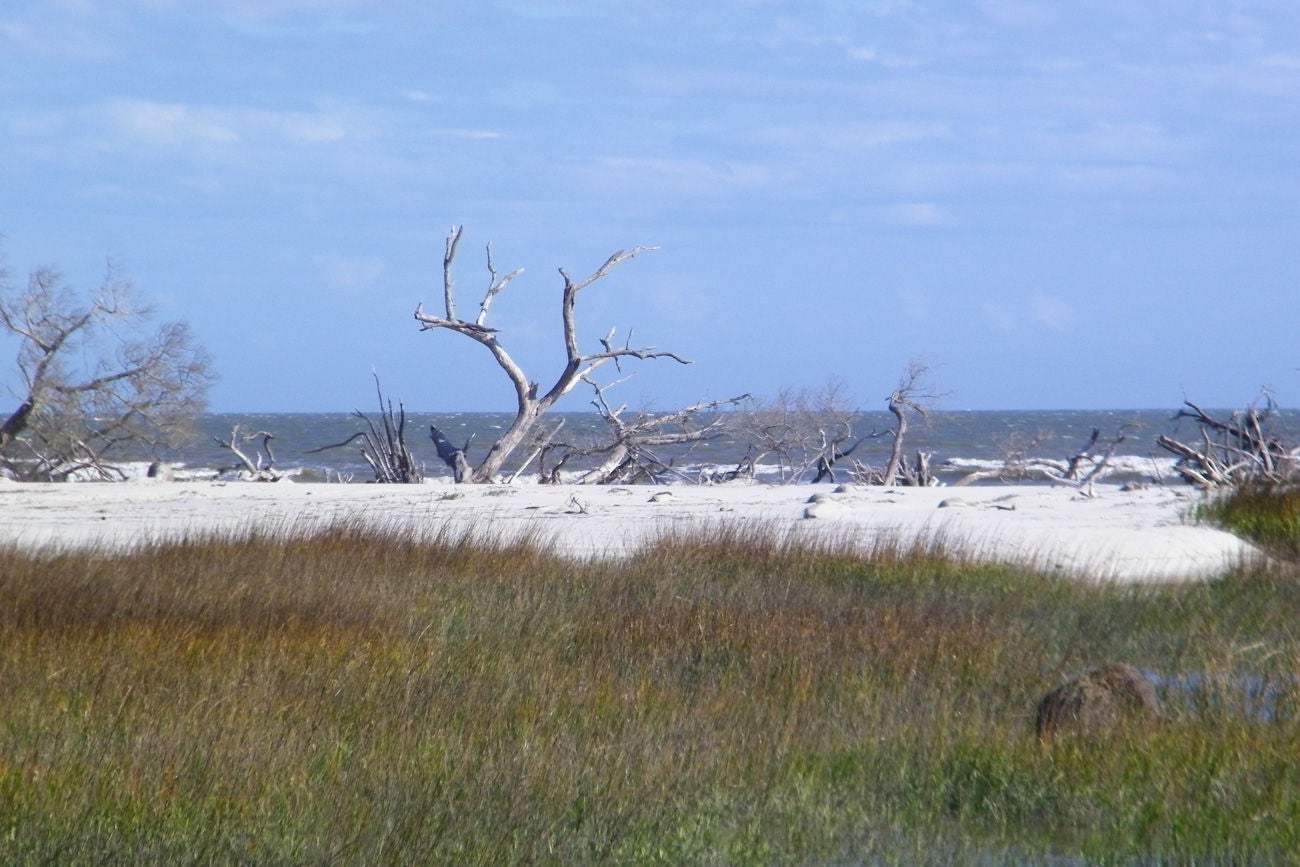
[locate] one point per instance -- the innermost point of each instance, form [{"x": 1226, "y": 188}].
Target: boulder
[{"x": 1114, "y": 697}]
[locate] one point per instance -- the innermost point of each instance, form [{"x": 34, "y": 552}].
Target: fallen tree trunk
[{"x": 452, "y": 456}]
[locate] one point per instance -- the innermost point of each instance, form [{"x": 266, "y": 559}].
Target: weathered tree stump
[{"x": 1114, "y": 697}]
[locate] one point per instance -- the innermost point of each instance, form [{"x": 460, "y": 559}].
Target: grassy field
[{"x": 360, "y": 698}]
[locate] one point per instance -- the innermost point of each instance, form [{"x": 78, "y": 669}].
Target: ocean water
[{"x": 958, "y": 442}]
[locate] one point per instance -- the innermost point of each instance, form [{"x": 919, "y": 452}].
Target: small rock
[{"x": 824, "y": 509}]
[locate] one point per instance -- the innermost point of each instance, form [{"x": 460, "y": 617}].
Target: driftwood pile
[
  {"x": 1230, "y": 451},
  {"x": 383, "y": 444}
]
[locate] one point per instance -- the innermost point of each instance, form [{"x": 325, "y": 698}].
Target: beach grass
[
  {"x": 1264, "y": 511},
  {"x": 361, "y": 697}
]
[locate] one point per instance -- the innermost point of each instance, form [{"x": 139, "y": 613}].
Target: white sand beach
[{"x": 1142, "y": 535}]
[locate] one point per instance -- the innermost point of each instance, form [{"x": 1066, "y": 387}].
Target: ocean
[{"x": 958, "y": 442}]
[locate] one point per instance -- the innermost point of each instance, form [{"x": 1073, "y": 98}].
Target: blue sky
[{"x": 1061, "y": 205}]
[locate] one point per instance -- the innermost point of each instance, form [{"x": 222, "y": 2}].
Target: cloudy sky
[{"x": 1059, "y": 205}]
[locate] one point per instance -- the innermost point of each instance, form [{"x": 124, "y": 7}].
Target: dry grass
[{"x": 358, "y": 697}]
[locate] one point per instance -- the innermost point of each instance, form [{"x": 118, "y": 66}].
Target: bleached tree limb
[
  {"x": 494, "y": 287},
  {"x": 448, "y": 283},
  {"x": 255, "y": 469},
  {"x": 530, "y": 402},
  {"x": 1234, "y": 450},
  {"x": 911, "y": 396},
  {"x": 630, "y": 452}
]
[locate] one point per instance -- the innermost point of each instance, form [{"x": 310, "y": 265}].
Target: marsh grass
[
  {"x": 356, "y": 696},
  {"x": 1267, "y": 512}
]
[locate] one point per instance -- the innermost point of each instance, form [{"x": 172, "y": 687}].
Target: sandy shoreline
[{"x": 1139, "y": 535}]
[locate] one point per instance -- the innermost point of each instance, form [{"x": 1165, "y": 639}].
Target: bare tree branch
[
  {"x": 260, "y": 466},
  {"x": 530, "y": 405},
  {"x": 912, "y": 395},
  {"x": 629, "y": 455},
  {"x": 384, "y": 445},
  {"x": 448, "y": 284},
  {"x": 802, "y": 432},
  {"x": 1234, "y": 450},
  {"x": 95, "y": 379}
]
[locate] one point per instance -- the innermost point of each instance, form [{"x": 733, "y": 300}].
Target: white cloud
[
  {"x": 852, "y": 137},
  {"x": 677, "y": 176},
  {"x": 471, "y": 134},
  {"x": 168, "y": 124},
  {"x": 1127, "y": 141},
  {"x": 1289, "y": 62},
  {"x": 869, "y": 53},
  {"x": 313, "y": 128},
  {"x": 351, "y": 274},
  {"x": 1034, "y": 313},
  {"x": 912, "y": 304},
  {"x": 918, "y": 214},
  {"x": 70, "y": 31},
  {"x": 11, "y": 29},
  {"x": 1001, "y": 318},
  {"x": 1050, "y": 311},
  {"x": 1017, "y": 13}
]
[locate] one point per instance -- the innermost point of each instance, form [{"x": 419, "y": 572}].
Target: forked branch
[{"x": 530, "y": 401}]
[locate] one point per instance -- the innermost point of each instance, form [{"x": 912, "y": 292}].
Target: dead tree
[
  {"x": 630, "y": 456},
  {"x": 96, "y": 382},
  {"x": 530, "y": 401},
  {"x": 801, "y": 432},
  {"x": 1080, "y": 470},
  {"x": 911, "y": 396},
  {"x": 383, "y": 445},
  {"x": 259, "y": 466},
  {"x": 1239, "y": 449}
]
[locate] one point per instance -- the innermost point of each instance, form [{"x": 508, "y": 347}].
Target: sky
[{"x": 1054, "y": 205}]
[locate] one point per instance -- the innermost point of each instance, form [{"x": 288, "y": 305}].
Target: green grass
[
  {"x": 1265, "y": 512},
  {"x": 356, "y": 697}
]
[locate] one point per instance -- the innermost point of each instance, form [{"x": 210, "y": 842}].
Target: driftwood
[
  {"x": 831, "y": 453},
  {"x": 540, "y": 446},
  {"x": 1229, "y": 452},
  {"x": 260, "y": 466},
  {"x": 630, "y": 455},
  {"x": 1090, "y": 463},
  {"x": 453, "y": 457},
  {"x": 917, "y": 474},
  {"x": 383, "y": 445}
]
